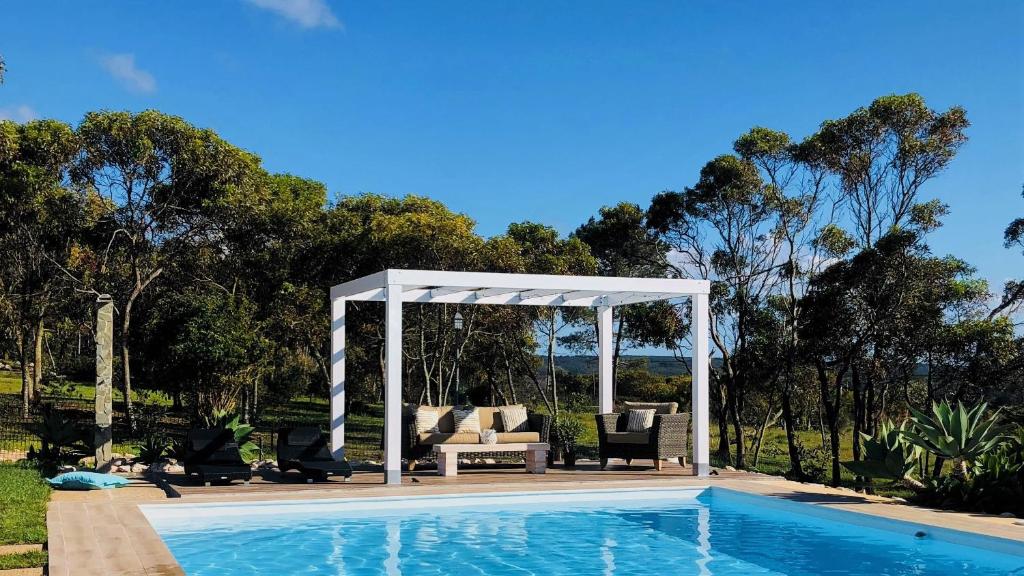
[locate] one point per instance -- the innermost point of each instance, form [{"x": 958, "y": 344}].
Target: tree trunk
[
  {"x": 737, "y": 425},
  {"x": 724, "y": 454},
  {"x": 37, "y": 366},
  {"x": 770, "y": 417},
  {"x": 616, "y": 351},
  {"x": 551, "y": 364},
  {"x": 26, "y": 376},
  {"x": 795, "y": 468}
]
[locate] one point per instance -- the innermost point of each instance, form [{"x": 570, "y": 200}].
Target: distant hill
[{"x": 660, "y": 365}]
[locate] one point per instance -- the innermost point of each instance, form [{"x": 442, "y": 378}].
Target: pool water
[{"x": 641, "y": 532}]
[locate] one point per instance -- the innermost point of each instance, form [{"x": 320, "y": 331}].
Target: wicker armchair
[{"x": 666, "y": 438}]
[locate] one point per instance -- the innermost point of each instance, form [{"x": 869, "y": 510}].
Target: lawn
[{"x": 23, "y": 498}]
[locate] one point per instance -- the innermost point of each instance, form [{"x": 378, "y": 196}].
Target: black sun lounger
[
  {"x": 211, "y": 455},
  {"x": 305, "y": 449}
]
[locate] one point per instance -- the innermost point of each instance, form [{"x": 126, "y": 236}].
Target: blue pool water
[{"x": 649, "y": 532}]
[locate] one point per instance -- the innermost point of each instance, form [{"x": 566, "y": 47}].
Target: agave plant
[
  {"x": 959, "y": 434},
  {"x": 242, "y": 432},
  {"x": 889, "y": 456}
]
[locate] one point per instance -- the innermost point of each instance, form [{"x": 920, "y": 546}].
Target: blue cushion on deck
[{"x": 86, "y": 481}]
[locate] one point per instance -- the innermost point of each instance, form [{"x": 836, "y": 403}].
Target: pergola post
[
  {"x": 701, "y": 372},
  {"x": 338, "y": 378},
  {"x": 605, "y": 386},
  {"x": 393, "y": 385}
]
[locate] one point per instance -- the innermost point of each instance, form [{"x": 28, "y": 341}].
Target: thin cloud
[
  {"x": 306, "y": 13},
  {"x": 122, "y": 67},
  {"x": 21, "y": 113}
]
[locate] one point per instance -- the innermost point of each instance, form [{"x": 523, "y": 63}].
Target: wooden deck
[{"x": 274, "y": 483}]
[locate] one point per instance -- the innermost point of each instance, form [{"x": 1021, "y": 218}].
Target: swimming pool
[{"x": 705, "y": 531}]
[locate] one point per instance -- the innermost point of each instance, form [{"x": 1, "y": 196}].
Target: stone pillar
[{"x": 103, "y": 439}]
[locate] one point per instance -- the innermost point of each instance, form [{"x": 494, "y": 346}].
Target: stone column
[{"x": 103, "y": 439}]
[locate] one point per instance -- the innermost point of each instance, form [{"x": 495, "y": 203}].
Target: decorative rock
[
  {"x": 898, "y": 500},
  {"x": 490, "y": 461},
  {"x": 730, "y": 469},
  {"x": 63, "y": 469},
  {"x": 167, "y": 467},
  {"x": 138, "y": 468},
  {"x": 122, "y": 469}
]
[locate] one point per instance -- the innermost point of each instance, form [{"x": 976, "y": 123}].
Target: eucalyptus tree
[
  {"x": 368, "y": 233},
  {"x": 880, "y": 157},
  {"x": 797, "y": 187},
  {"x": 158, "y": 176},
  {"x": 538, "y": 249},
  {"x": 1013, "y": 290},
  {"x": 887, "y": 299},
  {"x": 624, "y": 245},
  {"x": 41, "y": 224},
  {"x": 722, "y": 229}
]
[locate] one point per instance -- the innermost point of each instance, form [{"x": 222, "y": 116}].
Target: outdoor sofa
[
  {"x": 417, "y": 447},
  {"x": 664, "y": 440}
]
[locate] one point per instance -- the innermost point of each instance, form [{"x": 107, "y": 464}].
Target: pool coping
[{"x": 107, "y": 532}]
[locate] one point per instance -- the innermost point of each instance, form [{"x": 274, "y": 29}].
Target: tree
[
  {"x": 883, "y": 154},
  {"x": 624, "y": 245},
  {"x": 41, "y": 221},
  {"x": 721, "y": 230},
  {"x": 159, "y": 175},
  {"x": 537, "y": 249},
  {"x": 1013, "y": 290}
]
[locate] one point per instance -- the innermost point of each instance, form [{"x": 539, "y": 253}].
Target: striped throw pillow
[
  {"x": 640, "y": 420},
  {"x": 514, "y": 419},
  {"x": 466, "y": 420},
  {"x": 426, "y": 419}
]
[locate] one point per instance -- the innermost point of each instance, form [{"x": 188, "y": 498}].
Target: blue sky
[{"x": 545, "y": 111}]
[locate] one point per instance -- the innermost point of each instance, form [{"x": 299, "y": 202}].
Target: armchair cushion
[
  {"x": 628, "y": 437},
  {"x": 659, "y": 407},
  {"x": 640, "y": 420}
]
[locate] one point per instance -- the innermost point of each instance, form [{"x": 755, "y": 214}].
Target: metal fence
[{"x": 16, "y": 429}]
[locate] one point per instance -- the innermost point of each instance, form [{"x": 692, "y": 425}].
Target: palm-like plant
[
  {"x": 888, "y": 455},
  {"x": 242, "y": 432},
  {"x": 959, "y": 434}
]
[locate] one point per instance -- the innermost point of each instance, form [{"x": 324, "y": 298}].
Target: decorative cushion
[
  {"x": 427, "y": 419},
  {"x": 514, "y": 418},
  {"x": 517, "y": 437},
  {"x": 640, "y": 420},
  {"x": 659, "y": 407},
  {"x": 431, "y": 438},
  {"x": 628, "y": 437},
  {"x": 86, "y": 481},
  {"x": 466, "y": 420},
  {"x": 488, "y": 436}
]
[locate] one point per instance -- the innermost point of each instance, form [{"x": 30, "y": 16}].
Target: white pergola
[{"x": 396, "y": 287}]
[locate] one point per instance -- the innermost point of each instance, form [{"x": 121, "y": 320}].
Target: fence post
[{"x": 103, "y": 438}]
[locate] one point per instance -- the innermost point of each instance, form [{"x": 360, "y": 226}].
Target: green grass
[
  {"x": 36, "y": 559},
  {"x": 10, "y": 383},
  {"x": 23, "y": 498}
]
